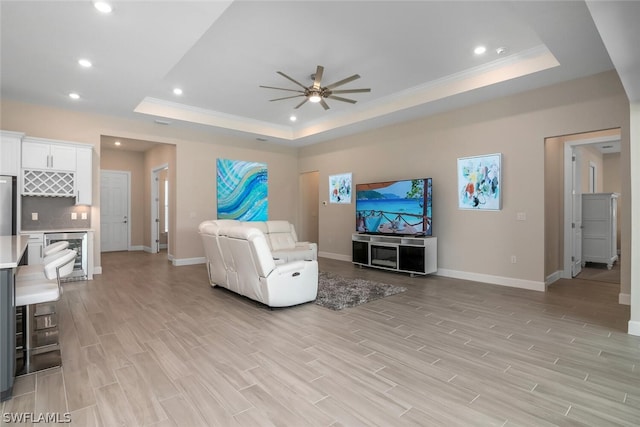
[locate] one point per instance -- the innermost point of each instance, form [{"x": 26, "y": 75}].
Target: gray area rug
[{"x": 336, "y": 292}]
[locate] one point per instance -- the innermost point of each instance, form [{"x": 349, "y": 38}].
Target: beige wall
[
  {"x": 554, "y": 205},
  {"x": 476, "y": 243},
  {"x": 196, "y": 154},
  {"x": 133, "y": 162}
]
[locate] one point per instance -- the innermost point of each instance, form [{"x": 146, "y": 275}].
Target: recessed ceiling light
[
  {"x": 177, "y": 91},
  {"x": 501, "y": 50},
  {"x": 293, "y": 118},
  {"x": 117, "y": 143},
  {"x": 261, "y": 139},
  {"x": 479, "y": 50},
  {"x": 85, "y": 63},
  {"x": 103, "y": 6},
  {"x": 74, "y": 95}
]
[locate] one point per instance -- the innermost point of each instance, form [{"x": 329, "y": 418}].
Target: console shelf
[{"x": 413, "y": 255}]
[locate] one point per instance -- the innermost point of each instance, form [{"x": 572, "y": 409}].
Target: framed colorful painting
[
  {"x": 340, "y": 188},
  {"x": 242, "y": 190},
  {"x": 480, "y": 182}
]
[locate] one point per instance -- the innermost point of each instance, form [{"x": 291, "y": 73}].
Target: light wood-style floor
[{"x": 147, "y": 343}]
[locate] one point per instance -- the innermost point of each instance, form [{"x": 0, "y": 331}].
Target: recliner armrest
[{"x": 290, "y": 267}]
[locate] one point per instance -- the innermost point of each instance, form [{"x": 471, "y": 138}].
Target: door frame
[
  {"x": 128, "y": 175},
  {"x": 155, "y": 208},
  {"x": 569, "y": 186}
]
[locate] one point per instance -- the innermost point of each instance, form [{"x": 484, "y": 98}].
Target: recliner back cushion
[
  {"x": 258, "y": 248},
  {"x": 260, "y": 225},
  {"x": 280, "y": 235}
]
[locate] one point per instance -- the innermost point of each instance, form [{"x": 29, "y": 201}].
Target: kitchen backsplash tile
[{"x": 53, "y": 213}]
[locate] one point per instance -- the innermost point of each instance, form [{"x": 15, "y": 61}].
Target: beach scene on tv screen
[{"x": 395, "y": 207}]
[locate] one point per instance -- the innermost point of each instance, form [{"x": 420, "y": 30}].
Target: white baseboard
[
  {"x": 624, "y": 299},
  {"x": 189, "y": 261},
  {"x": 97, "y": 270},
  {"x": 147, "y": 249},
  {"x": 494, "y": 280},
  {"x": 136, "y": 248},
  {"x": 163, "y": 246},
  {"x": 634, "y": 328},
  {"x": 331, "y": 255},
  {"x": 553, "y": 277}
]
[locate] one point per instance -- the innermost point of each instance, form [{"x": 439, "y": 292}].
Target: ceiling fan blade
[
  {"x": 338, "y": 98},
  {"x": 343, "y": 81},
  {"x": 282, "y": 88},
  {"x": 289, "y": 78},
  {"x": 351, "y": 91},
  {"x": 324, "y": 104},
  {"x": 318, "y": 77},
  {"x": 300, "y": 105},
  {"x": 286, "y": 97}
]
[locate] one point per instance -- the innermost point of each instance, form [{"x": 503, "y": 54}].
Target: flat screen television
[{"x": 395, "y": 207}]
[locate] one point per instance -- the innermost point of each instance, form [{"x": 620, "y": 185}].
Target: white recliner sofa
[
  {"x": 239, "y": 258},
  {"x": 281, "y": 238}
]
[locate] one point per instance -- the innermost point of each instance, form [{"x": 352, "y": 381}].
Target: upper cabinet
[
  {"x": 10, "y": 153},
  {"x": 57, "y": 169},
  {"x": 83, "y": 178},
  {"x": 41, "y": 154}
]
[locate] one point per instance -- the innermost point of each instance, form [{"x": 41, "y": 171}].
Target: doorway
[
  {"x": 159, "y": 208},
  {"x": 115, "y": 211},
  {"x": 308, "y": 209},
  {"x": 582, "y": 175}
]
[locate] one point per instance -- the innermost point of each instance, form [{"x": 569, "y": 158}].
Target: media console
[{"x": 413, "y": 255}]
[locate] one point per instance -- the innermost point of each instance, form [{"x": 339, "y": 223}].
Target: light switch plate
[
  {"x": 74, "y": 215},
  {"x": 83, "y": 215},
  {"x": 34, "y": 216}
]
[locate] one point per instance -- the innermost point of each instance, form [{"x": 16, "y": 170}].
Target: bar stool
[
  {"x": 35, "y": 271},
  {"x": 37, "y": 291}
]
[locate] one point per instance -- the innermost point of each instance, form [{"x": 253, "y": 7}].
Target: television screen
[{"x": 394, "y": 207}]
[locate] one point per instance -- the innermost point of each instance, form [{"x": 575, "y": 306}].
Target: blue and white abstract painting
[{"x": 242, "y": 190}]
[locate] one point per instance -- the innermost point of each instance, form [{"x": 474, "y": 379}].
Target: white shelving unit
[
  {"x": 599, "y": 228},
  {"x": 413, "y": 255}
]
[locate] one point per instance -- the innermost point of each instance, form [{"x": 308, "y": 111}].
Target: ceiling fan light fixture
[{"x": 315, "y": 97}]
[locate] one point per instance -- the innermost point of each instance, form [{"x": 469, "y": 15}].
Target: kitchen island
[{"x": 12, "y": 249}]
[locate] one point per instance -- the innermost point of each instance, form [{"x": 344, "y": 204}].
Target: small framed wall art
[
  {"x": 480, "y": 182},
  {"x": 340, "y": 188}
]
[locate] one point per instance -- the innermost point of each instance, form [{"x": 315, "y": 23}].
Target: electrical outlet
[
  {"x": 521, "y": 216},
  {"x": 34, "y": 216},
  {"x": 513, "y": 259},
  {"x": 74, "y": 215},
  {"x": 83, "y": 215}
]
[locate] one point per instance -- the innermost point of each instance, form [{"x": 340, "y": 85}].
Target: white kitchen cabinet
[
  {"x": 84, "y": 175},
  {"x": 43, "y": 154},
  {"x": 34, "y": 249},
  {"x": 10, "y": 153},
  {"x": 599, "y": 228}
]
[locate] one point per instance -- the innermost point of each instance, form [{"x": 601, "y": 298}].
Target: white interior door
[
  {"x": 576, "y": 221},
  {"x": 114, "y": 211}
]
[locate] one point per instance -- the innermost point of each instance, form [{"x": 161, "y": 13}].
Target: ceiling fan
[{"x": 316, "y": 93}]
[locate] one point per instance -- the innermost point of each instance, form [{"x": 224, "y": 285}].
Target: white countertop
[
  {"x": 11, "y": 250},
  {"x": 60, "y": 230}
]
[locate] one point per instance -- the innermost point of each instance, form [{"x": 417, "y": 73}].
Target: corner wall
[{"x": 472, "y": 244}]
